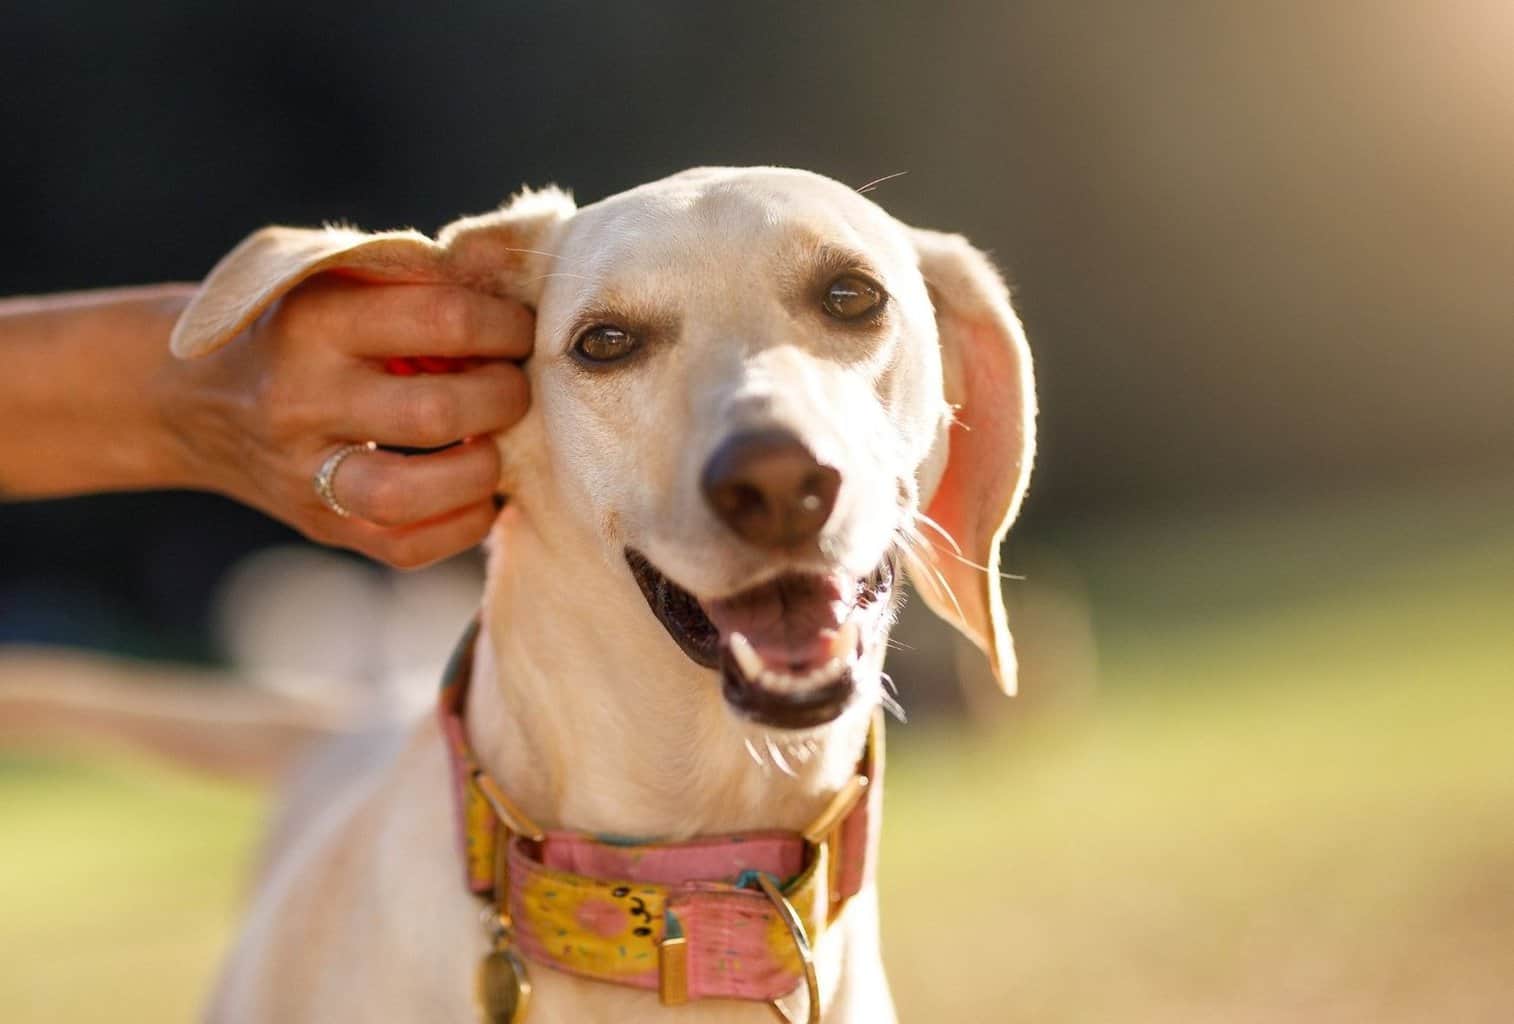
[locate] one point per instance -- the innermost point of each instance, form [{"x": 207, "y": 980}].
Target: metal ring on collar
[
  {"x": 797, "y": 932},
  {"x": 326, "y": 475}
]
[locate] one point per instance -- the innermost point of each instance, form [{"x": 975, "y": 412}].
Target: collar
[{"x": 725, "y": 916}]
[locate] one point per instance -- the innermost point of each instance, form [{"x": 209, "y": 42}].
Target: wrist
[
  {"x": 82, "y": 406},
  {"x": 172, "y": 402}
]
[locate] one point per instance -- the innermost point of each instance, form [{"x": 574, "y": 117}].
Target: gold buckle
[
  {"x": 673, "y": 963},
  {"x": 825, "y": 831},
  {"x": 504, "y": 808},
  {"x": 840, "y": 806}
]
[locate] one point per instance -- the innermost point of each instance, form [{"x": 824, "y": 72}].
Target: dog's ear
[
  {"x": 495, "y": 252},
  {"x": 990, "y": 441}
]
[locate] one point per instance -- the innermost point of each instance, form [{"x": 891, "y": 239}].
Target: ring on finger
[{"x": 325, "y": 477}]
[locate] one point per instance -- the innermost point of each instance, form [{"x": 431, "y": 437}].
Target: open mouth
[{"x": 787, "y": 649}]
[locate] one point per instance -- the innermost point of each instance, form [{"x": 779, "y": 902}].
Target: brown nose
[{"x": 769, "y": 488}]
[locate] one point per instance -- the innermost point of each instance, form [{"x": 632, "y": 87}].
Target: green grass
[
  {"x": 119, "y": 884},
  {"x": 1293, "y": 800}
]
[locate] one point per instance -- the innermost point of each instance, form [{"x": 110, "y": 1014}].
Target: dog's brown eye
[
  {"x": 851, "y": 297},
  {"x": 604, "y": 344}
]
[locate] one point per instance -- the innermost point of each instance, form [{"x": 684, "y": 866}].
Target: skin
[{"x": 102, "y": 405}]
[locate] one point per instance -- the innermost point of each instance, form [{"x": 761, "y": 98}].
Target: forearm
[{"x": 82, "y": 393}]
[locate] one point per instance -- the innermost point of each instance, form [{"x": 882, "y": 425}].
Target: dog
[{"x": 759, "y": 401}]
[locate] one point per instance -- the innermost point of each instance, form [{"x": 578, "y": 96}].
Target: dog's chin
[{"x": 788, "y": 651}]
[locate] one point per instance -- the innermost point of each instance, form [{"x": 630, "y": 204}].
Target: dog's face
[
  {"x": 755, "y": 394},
  {"x": 739, "y": 381}
]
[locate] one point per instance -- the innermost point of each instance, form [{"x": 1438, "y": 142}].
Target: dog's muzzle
[{"x": 787, "y": 650}]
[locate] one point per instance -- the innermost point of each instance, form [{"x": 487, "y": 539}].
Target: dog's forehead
[{"x": 720, "y": 219}]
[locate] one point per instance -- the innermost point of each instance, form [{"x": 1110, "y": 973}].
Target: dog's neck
[{"x": 593, "y": 719}]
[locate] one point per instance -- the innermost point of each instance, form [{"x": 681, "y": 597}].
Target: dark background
[{"x": 1262, "y": 250}]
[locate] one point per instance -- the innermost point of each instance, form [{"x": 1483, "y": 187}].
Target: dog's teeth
[
  {"x": 842, "y": 650},
  {"x": 843, "y": 644},
  {"x": 747, "y": 658}
]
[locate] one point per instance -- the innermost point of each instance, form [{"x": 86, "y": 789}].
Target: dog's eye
[
  {"x": 852, "y": 297},
  {"x": 604, "y": 344}
]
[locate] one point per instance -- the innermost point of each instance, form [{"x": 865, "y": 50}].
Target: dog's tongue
[{"x": 794, "y": 622}]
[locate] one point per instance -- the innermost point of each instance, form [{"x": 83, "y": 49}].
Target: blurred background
[{"x": 1262, "y": 765}]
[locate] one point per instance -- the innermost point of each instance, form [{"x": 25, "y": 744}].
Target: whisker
[
  {"x": 777, "y": 759},
  {"x": 751, "y": 750},
  {"x": 956, "y": 552},
  {"x": 1014, "y": 577},
  {"x": 865, "y": 189},
  {"x": 946, "y": 588},
  {"x": 925, "y": 520},
  {"x": 534, "y": 252}
]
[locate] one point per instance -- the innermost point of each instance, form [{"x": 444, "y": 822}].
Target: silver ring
[{"x": 326, "y": 475}]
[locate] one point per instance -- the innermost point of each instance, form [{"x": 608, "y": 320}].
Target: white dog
[{"x": 756, "y": 396}]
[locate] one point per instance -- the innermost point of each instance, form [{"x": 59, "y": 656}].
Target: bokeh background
[{"x": 1262, "y": 769}]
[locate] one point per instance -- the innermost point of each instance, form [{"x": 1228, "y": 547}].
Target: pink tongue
[{"x": 790, "y": 621}]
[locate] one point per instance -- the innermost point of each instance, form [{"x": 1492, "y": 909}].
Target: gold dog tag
[{"x": 503, "y": 988}]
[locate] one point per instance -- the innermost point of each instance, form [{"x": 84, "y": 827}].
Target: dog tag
[{"x": 504, "y": 989}]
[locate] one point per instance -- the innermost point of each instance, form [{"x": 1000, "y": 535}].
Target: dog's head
[{"x": 756, "y": 393}]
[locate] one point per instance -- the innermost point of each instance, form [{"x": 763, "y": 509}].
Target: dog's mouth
[{"x": 787, "y": 650}]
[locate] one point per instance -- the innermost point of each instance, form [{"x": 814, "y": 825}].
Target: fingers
[
  {"x": 430, "y": 411},
  {"x": 421, "y": 544},
  {"x": 391, "y": 490},
  {"x": 413, "y": 319},
  {"x": 315, "y": 370}
]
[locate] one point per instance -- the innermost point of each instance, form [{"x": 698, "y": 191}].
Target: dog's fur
[{"x": 584, "y": 709}]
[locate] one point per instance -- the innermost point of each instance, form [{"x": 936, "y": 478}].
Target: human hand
[{"x": 340, "y": 361}]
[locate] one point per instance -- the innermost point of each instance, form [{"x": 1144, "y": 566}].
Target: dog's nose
[{"x": 769, "y": 488}]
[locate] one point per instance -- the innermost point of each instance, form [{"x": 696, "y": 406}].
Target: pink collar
[{"x": 711, "y": 917}]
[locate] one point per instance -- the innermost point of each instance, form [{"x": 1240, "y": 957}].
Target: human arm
[{"x": 92, "y": 400}]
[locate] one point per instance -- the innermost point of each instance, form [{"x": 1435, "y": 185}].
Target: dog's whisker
[
  {"x": 938, "y": 578},
  {"x": 776, "y": 756},
  {"x": 803, "y": 751},
  {"x": 925, "y": 520},
  {"x": 865, "y": 189},
  {"x": 751, "y": 749},
  {"x": 1014, "y": 577},
  {"x": 535, "y": 252},
  {"x": 956, "y": 554}
]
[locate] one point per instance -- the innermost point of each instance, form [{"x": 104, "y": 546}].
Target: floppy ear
[
  {"x": 990, "y": 443},
  {"x": 492, "y": 252}
]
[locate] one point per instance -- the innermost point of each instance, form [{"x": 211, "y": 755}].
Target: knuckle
[
  {"x": 406, "y": 553},
  {"x": 301, "y": 312},
  {"x": 449, "y": 317},
  {"x": 283, "y": 407},
  {"x": 429, "y": 418},
  {"x": 384, "y": 500},
  {"x": 315, "y": 528}
]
